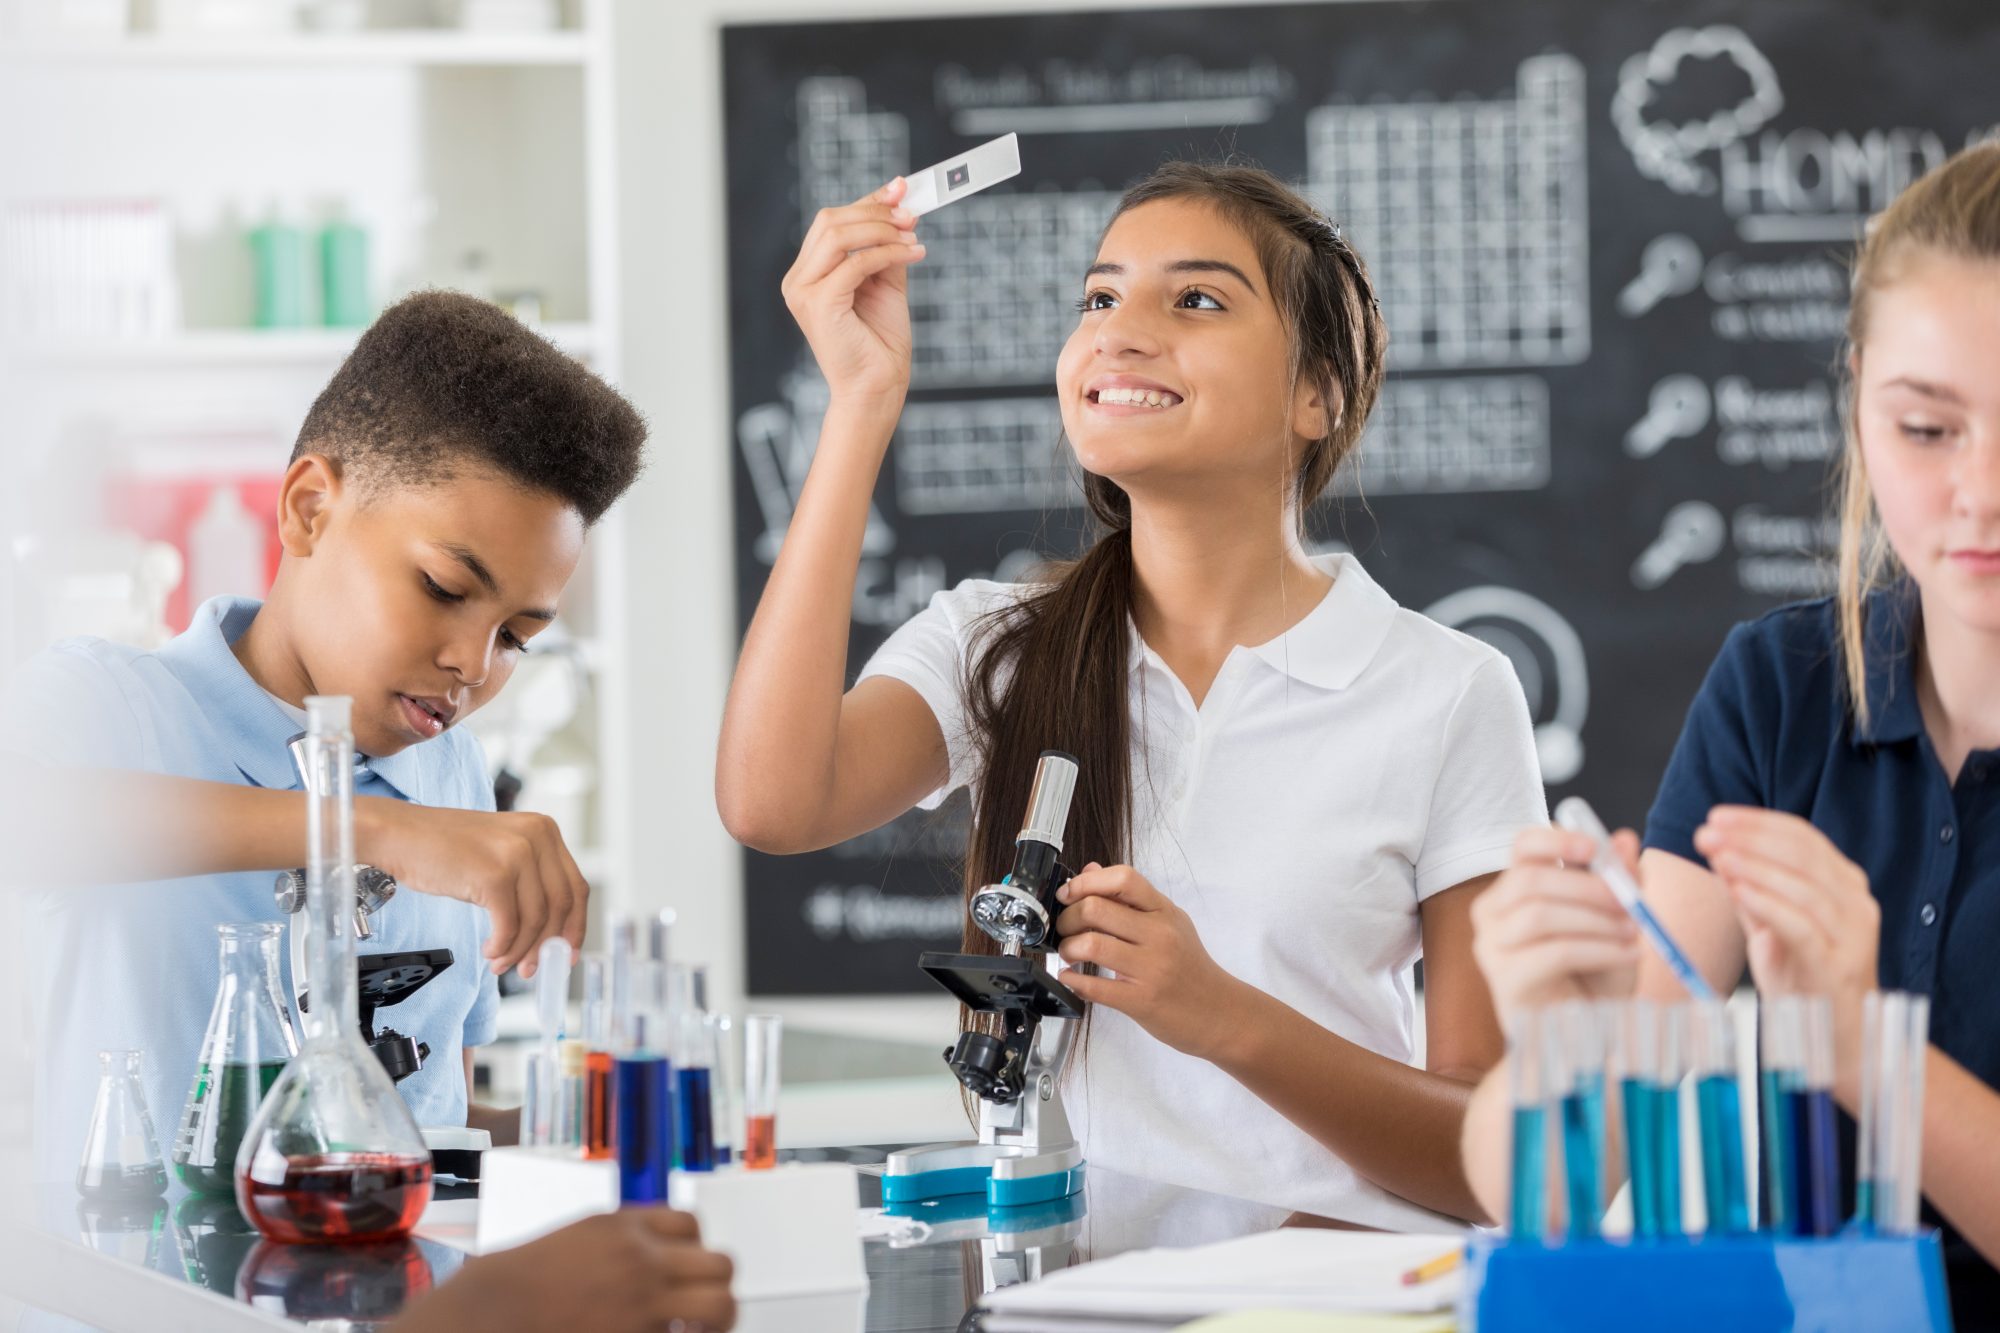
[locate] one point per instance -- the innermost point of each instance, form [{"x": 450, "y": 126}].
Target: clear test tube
[
  {"x": 1635, "y": 1059},
  {"x": 1528, "y": 1088},
  {"x": 1899, "y": 1108},
  {"x": 1781, "y": 1077},
  {"x": 1867, "y": 1116},
  {"x": 600, "y": 1139},
  {"x": 728, "y": 1089},
  {"x": 1816, "y": 1133},
  {"x": 1579, "y": 1039},
  {"x": 570, "y": 1113},
  {"x": 763, "y": 1043},
  {"x": 538, "y": 1079},
  {"x": 1720, "y": 1102}
]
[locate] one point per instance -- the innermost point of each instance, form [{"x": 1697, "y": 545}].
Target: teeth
[{"x": 1138, "y": 398}]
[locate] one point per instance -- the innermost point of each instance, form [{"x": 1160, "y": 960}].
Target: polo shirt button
[
  {"x": 1928, "y": 916},
  {"x": 1946, "y": 834}
]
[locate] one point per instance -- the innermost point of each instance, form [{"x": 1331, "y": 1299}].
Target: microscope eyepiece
[{"x": 1048, "y": 800}]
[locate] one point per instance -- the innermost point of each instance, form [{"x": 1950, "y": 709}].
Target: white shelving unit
[
  {"x": 409, "y": 47},
  {"x": 439, "y": 142}
]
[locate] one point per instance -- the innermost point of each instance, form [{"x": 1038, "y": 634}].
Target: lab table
[{"x": 192, "y": 1263}]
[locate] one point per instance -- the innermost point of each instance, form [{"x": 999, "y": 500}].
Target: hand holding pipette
[{"x": 1550, "y": 930}]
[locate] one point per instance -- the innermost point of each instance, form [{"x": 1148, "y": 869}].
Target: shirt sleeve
[
  {"x": 1715, "y": 762},
  {"x": 927, "y": 653},
  {"x": 67, "y": 707},
  {"x": 482, "y": 1021},
  {"x": 1489, "y": 784}
]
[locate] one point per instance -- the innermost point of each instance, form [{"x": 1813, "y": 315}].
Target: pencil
[{"x": 1436, "y": 1268}]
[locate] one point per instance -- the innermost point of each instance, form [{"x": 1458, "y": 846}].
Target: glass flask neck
[
  {"x": 249, "y": 951},
  {"x": 330, "y": 976}
]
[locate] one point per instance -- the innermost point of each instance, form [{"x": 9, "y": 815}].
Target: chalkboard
[{"x": 1610, "y": 244}]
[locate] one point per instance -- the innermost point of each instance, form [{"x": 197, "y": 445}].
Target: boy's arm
[
  {"x": 502, "y": 1122},
  {"x": 68, "y": 827}
]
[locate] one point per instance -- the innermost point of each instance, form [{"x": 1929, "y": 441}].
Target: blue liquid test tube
[
  {"x": 1781, "y": 1076},
  {"x": 694, "y": 1056},
  {"x": 1579, "y": 1040},
  {"x": 1817, "y": 1141},
  {"x": 644, "y": 1074},
  {"x": 1636, "y": 1058},
  {"x": 1527, "y": 1209},
  {"x": 1721, "y": 1112},
  {"x": 1667, "y": 1117}
]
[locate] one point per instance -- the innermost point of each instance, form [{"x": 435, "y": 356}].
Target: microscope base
[{"x": 1008, "y": 1176}]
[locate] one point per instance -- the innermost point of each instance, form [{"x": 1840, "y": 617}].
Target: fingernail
[
  {"x": 901, "y": 214},
  {"x": 1062, "y": 894}
]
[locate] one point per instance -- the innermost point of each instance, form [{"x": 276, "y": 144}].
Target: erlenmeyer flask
[
  {"x": 121, "y": 1155},
  {"x": 249, "y": 1040},
  {"x": 333, "y": 1155}
]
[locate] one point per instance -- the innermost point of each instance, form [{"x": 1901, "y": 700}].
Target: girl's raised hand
[
  {"x": 849, "y": 292},
  {"x": 1812, "y": 925},
  {"x": 1165, "y": 981},
  {"x": 1549, "y": 930}
]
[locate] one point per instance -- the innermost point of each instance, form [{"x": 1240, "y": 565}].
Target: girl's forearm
[{"x": 780, "y": 728}]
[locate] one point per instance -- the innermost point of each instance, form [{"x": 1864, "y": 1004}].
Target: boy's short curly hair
[{"x": 443, "y": 380}]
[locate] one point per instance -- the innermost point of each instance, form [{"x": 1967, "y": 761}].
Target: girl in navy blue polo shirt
[{"x": 1831, "y": 815}]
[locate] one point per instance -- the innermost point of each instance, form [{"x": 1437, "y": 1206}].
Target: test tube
[
  {"x": 1781, "y": 1078},
  {"x": 728, "y": 1072},
  {"x": 644, "y": 1076},
  {"x": 574, "y": 1058},
  {"x": 1579, "y": 1041},
  {"x": 694, "y": 1063},
  {"x": 763, "y": 1040},
  {"x": 599, "y": 1087},
  {"x": 1815, "y": 1133},
  {"x": 1713, "y": 1056},
  {"x": 1866, "y": 1115},
  {"x": 1903, "y": 1040},
  {"x": 541, "y": 1110},
  {"x": 1667, "y": 1116},
  {"x": 1528, "y": 1210},
  {"x": 1636, "y": 1056}
]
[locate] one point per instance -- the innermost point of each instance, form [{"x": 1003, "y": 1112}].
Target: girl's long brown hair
[
  {"x": 1954, "y": 211},
  {"x": 1049, "y": 670}
]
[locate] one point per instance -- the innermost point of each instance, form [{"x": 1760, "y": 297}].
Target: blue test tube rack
[{"x": 1720, "y": 1284}]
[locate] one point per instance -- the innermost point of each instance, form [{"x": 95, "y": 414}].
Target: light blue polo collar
[{"x": 247, "y": 723}]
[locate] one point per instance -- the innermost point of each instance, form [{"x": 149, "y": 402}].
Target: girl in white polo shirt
[{"x": 1291, "y": 788}]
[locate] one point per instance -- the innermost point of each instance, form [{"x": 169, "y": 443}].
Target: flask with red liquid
[{"x": 333, "y": 1155}]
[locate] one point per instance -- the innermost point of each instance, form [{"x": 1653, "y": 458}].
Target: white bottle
[{"x": 225, "y": 549}]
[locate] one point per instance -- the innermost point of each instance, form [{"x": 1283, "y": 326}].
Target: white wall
[{"x": 681, "y": 629}]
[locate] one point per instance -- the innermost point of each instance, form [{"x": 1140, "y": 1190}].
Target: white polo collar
[{"x": 1334, "y": 642}]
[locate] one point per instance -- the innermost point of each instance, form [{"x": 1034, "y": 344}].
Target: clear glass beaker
[
  {"x": 121, "y": 1154},
  {"x": 333, "y": 1156},
  {"x": 248, "y": 1044}
]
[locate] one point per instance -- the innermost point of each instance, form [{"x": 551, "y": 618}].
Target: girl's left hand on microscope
[{"x": 1165, "y": 981}]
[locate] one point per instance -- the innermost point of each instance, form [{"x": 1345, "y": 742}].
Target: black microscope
[{"x": 1026, "y": 1152}]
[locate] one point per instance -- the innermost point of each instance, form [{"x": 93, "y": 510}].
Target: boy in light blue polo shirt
[{"x": 433, "y": 511}]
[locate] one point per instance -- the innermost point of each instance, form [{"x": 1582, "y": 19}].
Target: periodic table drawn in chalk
[
  {"x": 1473, "y": 218},
  {"x": 983, "y": 456},
  {"x": 1453, "y": 435}
]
